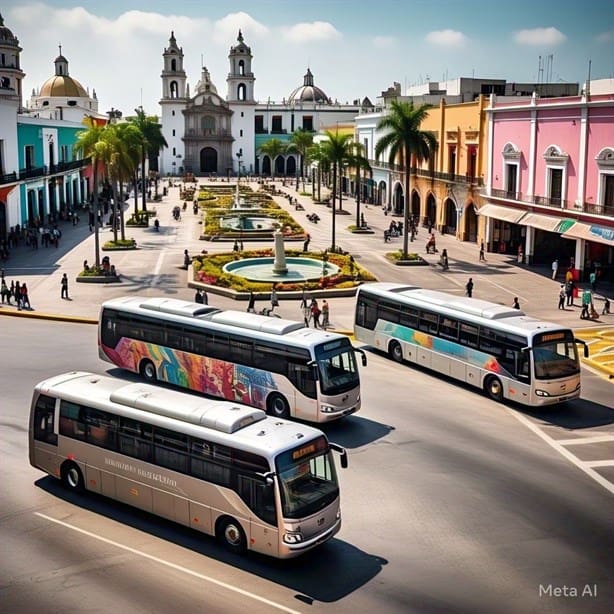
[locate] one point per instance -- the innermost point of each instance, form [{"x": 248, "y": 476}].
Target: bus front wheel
[
  {"x": 231, "y": 535},
  {"x": 148, "y": 370},
  {"x": 72, "y": 476},
  {"x": 494, "y": 388},
  {"x": 396, "y": 351},
  {"x": 277, "y": 406}
]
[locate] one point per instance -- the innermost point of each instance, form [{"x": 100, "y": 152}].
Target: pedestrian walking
[
  {"x": 17, "y": 294},
  {"x": 325, "y": 314},
  {"x": 606, "y": 306},
  {"x": 4, "y": 290},
  {"x": 315, "y": 313},
  {"x": 482, "y": 258},
  {"x": 274, "y": 299},
  {"x": 469, "y": 288},
  {"x": 562, "y": 295},
  {"x": 516, "y": 304},
  {"x": 593, "y": 281},
  {"x": 251, "y": 304},
  {"x": 306, "y": 242},
  {"x": 443, "y": 259},
  {"x": 64, "y": 286},
  {"x": 555, "y": 268},
  {"x": 25, "y": 299},
  {"x": 201, "y": 297},
  {"x": 569, "y": 288},
  {"x": 587, "y": 300},
  {"x": 306, "y": 309}
]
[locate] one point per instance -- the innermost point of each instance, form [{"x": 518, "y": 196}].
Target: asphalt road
[{"x": 451, "y": 503}]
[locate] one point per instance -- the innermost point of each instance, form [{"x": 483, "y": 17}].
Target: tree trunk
[
  {"x": 334, "y": 205},
  {"x": 406, "y": 209},
  {"x": 143, "y": 180},
  {"x": 121, "y": 210},
  {"x": 358, "y": 224},
  {"x": 96, "y": 215}
]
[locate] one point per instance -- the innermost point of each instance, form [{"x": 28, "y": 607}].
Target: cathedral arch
[{"x": 208, "y": 160}]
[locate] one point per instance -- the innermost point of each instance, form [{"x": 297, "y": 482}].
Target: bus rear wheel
[
  {"x": 494, "y": 388},
  {"x": 148, "y": 371},
  {"x": 72, "y": 477},
  {"x": 396, "y": 351},
  {"x": 277, "y": 406},
  {"x": 231, "y": 535}
]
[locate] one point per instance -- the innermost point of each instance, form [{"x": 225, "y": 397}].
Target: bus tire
[
  {"x": 277, "y": 406},
  {"x": 396, "y": 351},
  {"x": 231, "y": 535},
  {"x": 148, "y": 371},
  {"x": 72, "y": 477},
  {"x": 494, "y": 388}
]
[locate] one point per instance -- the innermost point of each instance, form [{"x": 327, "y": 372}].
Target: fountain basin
[
  {"x": 298, "y": 269},
  {"x": 248, "y": 223}
]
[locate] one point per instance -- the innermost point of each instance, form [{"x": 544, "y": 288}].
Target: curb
[{"x": 39, "y": 315}]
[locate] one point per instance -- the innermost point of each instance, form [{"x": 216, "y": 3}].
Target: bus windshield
[
  {"x": 307, "y": 479},
  {"x": 337, "y": 369},
  {"x": 553, "y": 360}
]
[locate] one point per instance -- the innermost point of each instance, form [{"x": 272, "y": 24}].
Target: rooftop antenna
[{"x": 588, "y": 81}]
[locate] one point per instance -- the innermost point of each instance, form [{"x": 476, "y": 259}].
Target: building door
[{"x": 208, "y": 160}]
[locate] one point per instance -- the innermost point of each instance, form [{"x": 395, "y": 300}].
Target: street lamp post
[{"x": 239, "y": 155}]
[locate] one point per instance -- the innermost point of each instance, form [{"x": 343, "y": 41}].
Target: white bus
[
  {"x": 253, "y": 481},
  {"x": 277, "y": 365},
  {"x": 499, "y": 349}
]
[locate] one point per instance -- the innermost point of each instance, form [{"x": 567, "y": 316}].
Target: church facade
[{"x": 211, "y": 135}]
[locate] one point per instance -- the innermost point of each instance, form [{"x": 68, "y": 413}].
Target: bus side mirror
[
  {"x": 584, "y": 344},
  {"x": 344, "y": 455},
  {"x": 363, "y": 356},
  {"x": 267, "y": 478}
]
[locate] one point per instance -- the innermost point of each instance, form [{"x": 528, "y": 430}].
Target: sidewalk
[{"x": 155, "y": 268}]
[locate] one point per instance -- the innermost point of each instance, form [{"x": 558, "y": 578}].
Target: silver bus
[
  {"x": 501, "y": 350},
  {"x": 255, "y": 482}
]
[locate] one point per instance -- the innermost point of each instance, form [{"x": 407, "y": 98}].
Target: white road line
[
  {"x": 583, "y": 466},
  {"x": 601, "y": 463},
  {"x": 180, "y": 568},
  {"x": 583, "y": 440},
  {"x": 158, "y": 268}
]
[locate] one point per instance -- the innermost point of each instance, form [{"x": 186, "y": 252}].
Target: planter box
[
  {"x": 419, "y": 262},
  {"x": 98, "y": 279},
  {"x": 118, "y": 249}
]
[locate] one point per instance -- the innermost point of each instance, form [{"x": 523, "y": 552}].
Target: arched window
[
  {"x": 241, "y": 67},
  {"x": 241, "y": 92},
  {"x": 173, "y": 65},
  {"x": 511, "y": 166},
  {"x": 174, "y": 87},
  {"x": 605, "y": 187},
  {"x": 556, "y": 175}
]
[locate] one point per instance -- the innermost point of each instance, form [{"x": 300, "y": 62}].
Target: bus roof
[
  {"x": 474, "y": 310},
  {"x": 219, "y": 421},
  {"x": 184, "y": 311}
]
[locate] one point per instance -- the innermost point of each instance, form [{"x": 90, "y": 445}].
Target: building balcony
[
  {"x": 433, "y": 175},
  {"x": 8, "y": 178},
  {"x": 556, "y": 204}
]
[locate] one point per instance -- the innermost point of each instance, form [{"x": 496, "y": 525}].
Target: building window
[
  {"x": 174, "y": 151},
  {"x": 173, "y": 113},
  {"x": 259, "y": 124},
  {"x": 29, "y": 156},
  {"x": 173, "y": 131},
  {"x": 242, "y": 114},
  {"x": 240, "y": 132},
  {"x": 241, "y": 67},
  {"x": 511, "y": 176},
  {"x": 308, "y": 123},
  {"x": 208, "y": 125},
  {"x": 452, "y": 159},
  {"x": 276, "y": 124},
  {"x": 605, "y": 188},
  {"x": 556, "y": 175}
]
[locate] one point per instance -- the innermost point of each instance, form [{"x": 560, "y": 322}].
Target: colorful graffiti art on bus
[
  {"x": 212, "y": 376},
  {"x": 443, "y": 346}
]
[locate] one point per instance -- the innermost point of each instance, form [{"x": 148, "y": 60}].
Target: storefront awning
[
  {"x": 508, "y": 214},
  {"x": 591, "y": 232},
  {"x": 550, "y": 223}
]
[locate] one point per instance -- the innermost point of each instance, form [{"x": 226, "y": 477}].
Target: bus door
[
  {"x": 305, "y": 402},
  {"x": 44, "y": 433}
]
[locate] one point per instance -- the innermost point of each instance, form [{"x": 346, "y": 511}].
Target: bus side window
[
  {"x": 71, "y": 422},
  {"x": 522, "y": 364},
  {"x": 302, "y": 377},
  {"x": 44, "y": 420}
]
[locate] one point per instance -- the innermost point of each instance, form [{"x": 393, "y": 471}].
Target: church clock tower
[
  {"x": 241, "y": 101},
  {"x": 175, "y": 95}
]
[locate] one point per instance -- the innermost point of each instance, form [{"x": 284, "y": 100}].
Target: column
[{"x": 529, "y": 244}]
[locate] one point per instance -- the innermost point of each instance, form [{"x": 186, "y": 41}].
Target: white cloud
[
  {"x": 606, "y": 37},
  {"x": 540, "y": 37},
  {"x": 446, "y": 38},
  {"x": 384, "y": 42},
  {"x": 225, "y": 30},
  {"x": 307, "y": 32}
]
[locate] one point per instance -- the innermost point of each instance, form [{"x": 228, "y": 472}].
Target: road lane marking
[
  {"x": 582, "y": 440},
  {"x": 174, "y": 566},
  {"x": 583, "y": 466},
  {"x": 600, "y": 463}
]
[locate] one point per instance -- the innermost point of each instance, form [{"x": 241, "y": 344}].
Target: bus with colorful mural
[
  {"x": 499, "y": 349},
  {"x": 278, "y": 365},
  {"x": 224, "y": 469}
]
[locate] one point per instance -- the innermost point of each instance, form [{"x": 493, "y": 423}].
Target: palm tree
[
  {"x": 300, "y": 142},
  {"x": 403, "y": 140},
  {"x": 153, "y": 142},
  {"x": 125, "y": 141},
  {"x": 337, "y": 148},
  {"x": 316, "y": 154},
  {"x": 272, "y": 148},
  {"x": 90, "y": 144}
]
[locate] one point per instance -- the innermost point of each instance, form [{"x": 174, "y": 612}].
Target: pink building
[{"x": 550, "y": 181}]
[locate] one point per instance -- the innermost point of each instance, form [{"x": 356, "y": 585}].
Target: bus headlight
[
  {"x": 541, "y": 393},
  {"x": 293, "y": 537},
  {"x": 327, "y": 409}
]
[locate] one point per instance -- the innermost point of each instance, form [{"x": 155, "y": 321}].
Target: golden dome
[{"x": 62, "y": 86}]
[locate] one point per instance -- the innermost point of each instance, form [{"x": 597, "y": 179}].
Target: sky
[{"x": 355, "y": 49}]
